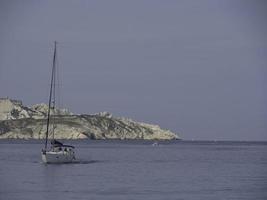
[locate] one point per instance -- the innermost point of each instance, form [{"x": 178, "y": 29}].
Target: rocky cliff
[{"x": 22, "y": 122}]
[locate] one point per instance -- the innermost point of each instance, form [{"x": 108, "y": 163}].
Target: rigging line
[
  {"x": 50, "y": 97},
  {"x": 58, "y": 84},
  {"x": 54, "y": 98}
]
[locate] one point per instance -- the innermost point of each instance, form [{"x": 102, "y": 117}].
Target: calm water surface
[{"x": 136, "y": 170}]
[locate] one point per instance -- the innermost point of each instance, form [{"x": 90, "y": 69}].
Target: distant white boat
[
  {"x": 155, "y": 144},
  {"x": 57, "y": 152}
]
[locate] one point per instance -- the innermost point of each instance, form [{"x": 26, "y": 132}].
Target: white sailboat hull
[{"x": 58, "y": 157}]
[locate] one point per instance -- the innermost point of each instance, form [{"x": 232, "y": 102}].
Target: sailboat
[{"x": 56, "y": 152}]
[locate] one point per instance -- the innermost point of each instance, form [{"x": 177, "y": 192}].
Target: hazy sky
[{"x": 197, "y": 68}]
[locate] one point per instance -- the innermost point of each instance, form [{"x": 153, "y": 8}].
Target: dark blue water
[{"x": 136, "y": 170}]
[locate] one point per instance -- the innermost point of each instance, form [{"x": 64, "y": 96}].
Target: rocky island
[{"x": 18, "y": 121}]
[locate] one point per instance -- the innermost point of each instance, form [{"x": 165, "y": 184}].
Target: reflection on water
[{"x": 75, "y": 162}]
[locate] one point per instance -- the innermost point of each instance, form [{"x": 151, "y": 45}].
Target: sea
[{"x": 122, "y": 170}]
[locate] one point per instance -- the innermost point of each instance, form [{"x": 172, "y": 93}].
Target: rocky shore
[{"x": 21, "y": 122}]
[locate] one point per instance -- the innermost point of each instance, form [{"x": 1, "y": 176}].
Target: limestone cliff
[{"x": 18, "y": 121}]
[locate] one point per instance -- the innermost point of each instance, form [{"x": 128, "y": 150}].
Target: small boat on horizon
[{"x": 155, "y": 144}]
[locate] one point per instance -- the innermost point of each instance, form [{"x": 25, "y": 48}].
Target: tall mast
[{"x": 51, "y": 94}]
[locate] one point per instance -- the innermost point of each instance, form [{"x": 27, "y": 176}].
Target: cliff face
[
  {"x": 18, "y": 121},
  {"x": 14, "y": 109}
]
